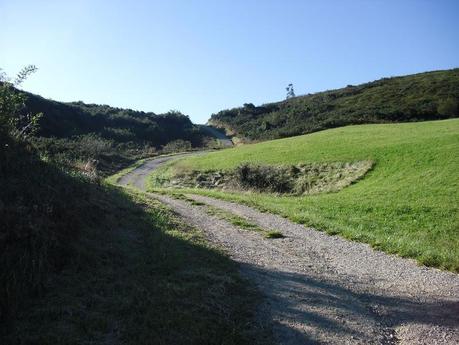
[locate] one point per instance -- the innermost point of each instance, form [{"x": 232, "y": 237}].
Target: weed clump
[
  {"x": 264, "y": 178},
  {"x": 274, "y": 234}
]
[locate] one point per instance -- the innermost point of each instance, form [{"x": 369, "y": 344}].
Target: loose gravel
[{"x": 137, "y": 177}]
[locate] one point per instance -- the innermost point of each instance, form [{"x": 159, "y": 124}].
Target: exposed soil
[{"x": 325, "y": 289}]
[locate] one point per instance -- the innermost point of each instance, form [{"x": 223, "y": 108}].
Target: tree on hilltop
[{"x": 290, "y": 91}]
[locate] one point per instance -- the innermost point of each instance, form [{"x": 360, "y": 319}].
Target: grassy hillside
[
  {"x": 77, "y": 132},
  {"x": 424, "y": 96},
  {"x": 82, "y": 262},
  {"x": 408, "y": 203}
]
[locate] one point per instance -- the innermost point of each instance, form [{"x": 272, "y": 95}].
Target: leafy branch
[{"x": 13, "y": 121}]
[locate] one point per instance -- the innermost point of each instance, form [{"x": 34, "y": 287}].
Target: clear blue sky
[{"x": 203, "y": 56}]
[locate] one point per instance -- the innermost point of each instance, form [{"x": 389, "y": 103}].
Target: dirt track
[
  {"x": 324, "y": 289},
  {"x": 137, "y": 177}
]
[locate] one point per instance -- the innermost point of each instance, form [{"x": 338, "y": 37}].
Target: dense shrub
[
  {"x": 298, "y": 179},
  {"x": 69, "y": 120},
  {"x": 449, "y": 107}
]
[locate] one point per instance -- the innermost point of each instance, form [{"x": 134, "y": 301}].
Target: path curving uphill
[
  {"x": 322, "y": 289},
  {"x": 138, "y": 177},
  {"x": 221, "y": 137}
]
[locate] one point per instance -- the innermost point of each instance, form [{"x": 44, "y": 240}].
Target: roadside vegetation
[
  {"x": 418, "y": 97},
  {"x": 407, "y": 204}
]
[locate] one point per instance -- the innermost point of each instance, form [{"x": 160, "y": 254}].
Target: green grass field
[{"x": 408, "y": 203}]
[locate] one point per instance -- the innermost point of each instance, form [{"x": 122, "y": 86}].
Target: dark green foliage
[
  {"x": 65, "y": 120},
  {"x": 14, "y": 120},
  {"x": 115, "y": 137},
  {"x": 449, "y": 107},
  {"x": 40, "y": 210},
  {"x": 425, "y": 96},
  {"x": 10, "y": 103}
]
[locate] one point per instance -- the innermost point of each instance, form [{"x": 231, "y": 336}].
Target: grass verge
[{"x": 113, "y": 179}]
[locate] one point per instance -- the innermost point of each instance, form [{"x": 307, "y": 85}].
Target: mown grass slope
[
  {"x": 408, "y": 203},
  {"x": 418, "y": 97}
]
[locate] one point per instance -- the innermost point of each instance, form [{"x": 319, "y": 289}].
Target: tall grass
[
  {"x": 82, "y": 262},
  {"x": 41, "y": 211}
]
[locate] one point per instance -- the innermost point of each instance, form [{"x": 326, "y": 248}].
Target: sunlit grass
[{"x": 408, "y": 203}]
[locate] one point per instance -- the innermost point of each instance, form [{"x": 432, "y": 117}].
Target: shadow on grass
[{"x": 139, "y": 276}]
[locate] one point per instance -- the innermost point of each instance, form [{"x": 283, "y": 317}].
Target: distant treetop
[{"x": 290, "y": 91}]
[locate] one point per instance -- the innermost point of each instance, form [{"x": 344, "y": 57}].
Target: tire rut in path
[{"x": 324, "y": 289}]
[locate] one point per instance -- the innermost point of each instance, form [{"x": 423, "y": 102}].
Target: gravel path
[
  {"x": 322, "y": 289},
  {"x": 420, "y": 304},
  {"x": 138, "y": 176}
]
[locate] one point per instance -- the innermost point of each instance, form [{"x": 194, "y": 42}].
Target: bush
[
  {"x": 298, "y": 179},
  {"x": 92, "y": 146},
  {"x": 449, "y": 107}
]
